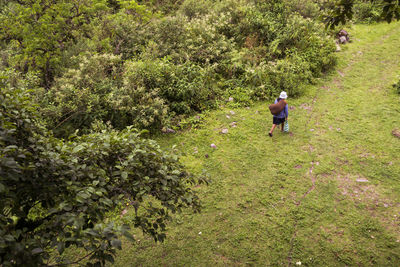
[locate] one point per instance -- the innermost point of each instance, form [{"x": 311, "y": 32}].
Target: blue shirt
[{"x": 284, "y": 113}]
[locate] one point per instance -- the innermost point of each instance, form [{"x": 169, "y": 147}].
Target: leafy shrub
[
  {"x": 166, "y": 38},
  {"x": 308, "y": 40},
  {"x": 80, "y": 96},
  {"x": 306, "y": 8},
  {"x": 367, "y": 11},
  {"x": 165, "y": 7},
  {"x": 193, "y": 8},
  {"x": 261, "y": 21},
  {"x": 139, "y": 102},
  {"x": 277, "y": 52},
  {"x": 181, "y": 39},
  {"x": 55, "y": 194},
  {"x": 126, "y": 34},
  {"x": 203, "y": 44},
  {"x": 242, "y": 96},
  {"x": 299, "y": 52},
  {"x": 289, "y": 74},
  {"x": 183, "y": 88}
]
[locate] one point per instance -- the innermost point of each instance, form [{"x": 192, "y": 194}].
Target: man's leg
[{"x": 272, "y": 129}]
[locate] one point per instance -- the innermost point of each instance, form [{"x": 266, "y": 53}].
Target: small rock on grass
[
  {"x": 167, "y": 130},
  {"x": 224, "y": 131},
  {"x": 213, "y": 146},
  {"x": 232, "y": 112},
  {"x": 396, "y": 133}
]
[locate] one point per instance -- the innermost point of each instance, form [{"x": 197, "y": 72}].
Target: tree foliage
[
  {"x": 41, "y": 30},
  {"x": 57, "y": 194},
  {"x": 344, "y": 10}
]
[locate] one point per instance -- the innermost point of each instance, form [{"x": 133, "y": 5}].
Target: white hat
[{"x": 283, "y": 95}]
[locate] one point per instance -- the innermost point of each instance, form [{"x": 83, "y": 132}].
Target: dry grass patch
[{"x": 370, "y": 197}]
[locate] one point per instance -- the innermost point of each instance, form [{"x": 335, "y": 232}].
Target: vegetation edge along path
[{"x": 325, "y": 195}]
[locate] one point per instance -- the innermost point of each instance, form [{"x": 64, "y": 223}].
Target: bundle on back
[{"x": 278, "y": 107}]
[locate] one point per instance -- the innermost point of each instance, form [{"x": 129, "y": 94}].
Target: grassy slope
[{"x": 295, "y": 197}]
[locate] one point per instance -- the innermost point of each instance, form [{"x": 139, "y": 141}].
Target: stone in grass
[
  {"x": 233, "y": 124},
  {"x": 230, "y": 99},
  {"x": 224, "y": 131},
  {"x": 228, "y": 117},
  {"x": 396, "y": 133},
  {"x": 362, "y": 180},
  {"x": 232, "y": 112},
  {"x": 167, "y": 130},
  {"x": 338, "y": 49},
  {"x": 342, "y": 40},
  {"x": 213, "y": 146}
]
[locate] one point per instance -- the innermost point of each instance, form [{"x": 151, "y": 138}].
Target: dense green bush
[
  {"x": 56, "y": 194},
  {"x": 79, "y": 97},
  {"x": 133, "y": 67},
  {"x": 306, "y": 8},
  {"x": 291, "y": 53},
  {"x": 168, "y": 88},
  {"x": 366, "y": 11},
  {"x": 139, "y": 102},
  {"x": 144, "y": 94}
]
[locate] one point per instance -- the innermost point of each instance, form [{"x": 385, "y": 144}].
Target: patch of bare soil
[{"x": 367, "y": 195}]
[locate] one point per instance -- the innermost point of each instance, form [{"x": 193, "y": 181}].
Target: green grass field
[{"x": 326, "y": 194}]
